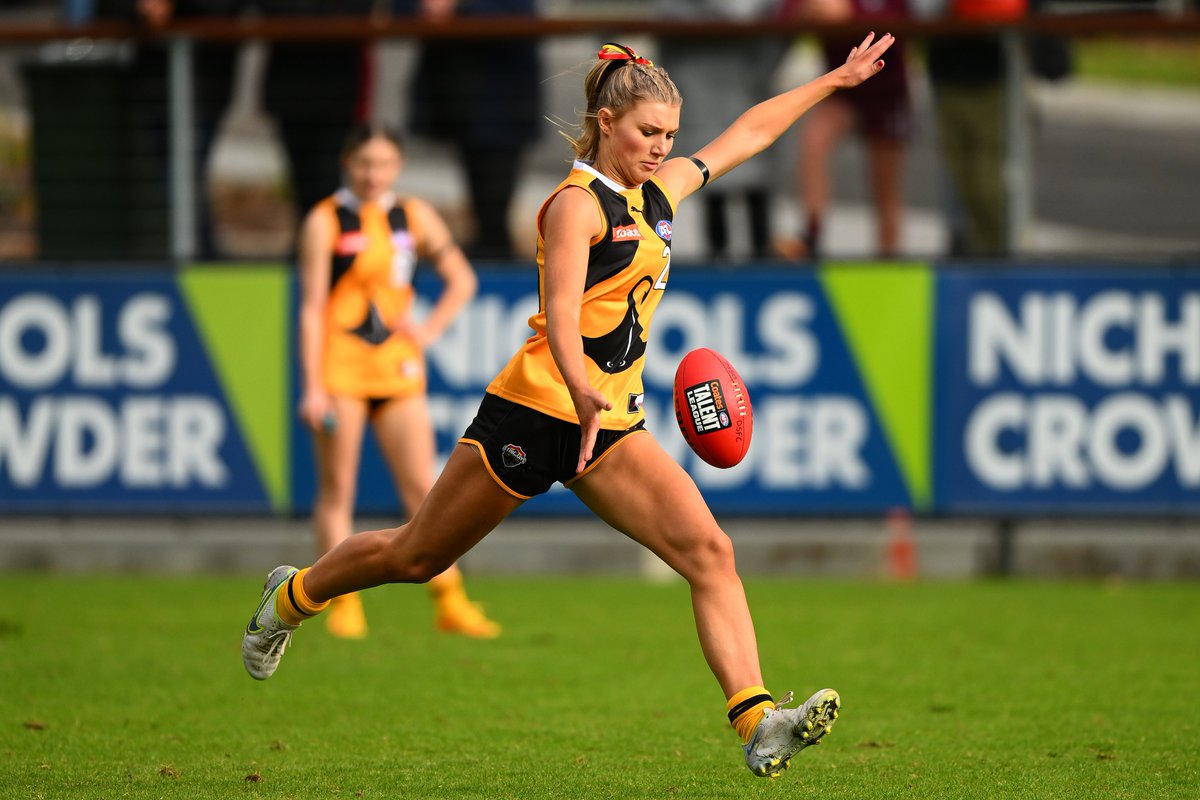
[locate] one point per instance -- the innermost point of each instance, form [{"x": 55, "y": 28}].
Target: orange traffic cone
[{"x": 901, "y": 546}]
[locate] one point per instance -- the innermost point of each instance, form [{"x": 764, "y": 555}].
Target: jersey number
[{"x": 661, "y": 283}]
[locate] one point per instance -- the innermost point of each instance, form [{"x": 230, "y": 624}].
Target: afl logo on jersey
[
  {"x": 402, "y": 240},
  {"x": 404, "y": 258},
  {"x": 350, "y": 243},
  {"x": 626, "y": 233},
  {"x": 663, "y": 229}
]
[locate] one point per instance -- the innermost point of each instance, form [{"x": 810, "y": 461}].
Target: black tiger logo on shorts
[{"x": 513, "y": 455}]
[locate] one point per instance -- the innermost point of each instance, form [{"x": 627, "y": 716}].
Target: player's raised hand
[{"x": 863, "y": 61}]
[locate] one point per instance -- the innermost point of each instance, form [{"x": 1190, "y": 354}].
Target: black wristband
[{"x": 700, "y": 165}]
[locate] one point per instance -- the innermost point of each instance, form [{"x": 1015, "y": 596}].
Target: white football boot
[
  {"x": 783, "y": 732},
  {"x": 267, "y": 636}
]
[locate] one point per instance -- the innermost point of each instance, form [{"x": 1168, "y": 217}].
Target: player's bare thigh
[
  {"x": 405, "y": 434},
  {"x": 464, "y": 505},
  {"x": 640, "y": 490}
]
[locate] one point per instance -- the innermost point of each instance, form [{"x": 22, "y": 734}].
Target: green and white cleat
[
  {"x": 267, "y": 636},
  {"x": 783, "y": 732}
]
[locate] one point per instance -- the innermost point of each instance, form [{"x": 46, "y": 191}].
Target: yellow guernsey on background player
[{"x": 567, "y": 415}]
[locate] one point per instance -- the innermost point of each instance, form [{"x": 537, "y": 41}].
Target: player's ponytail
[{"x": 618, "y": 80}]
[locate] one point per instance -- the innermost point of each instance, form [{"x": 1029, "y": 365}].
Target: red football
[{"x": 713, "y": 408}]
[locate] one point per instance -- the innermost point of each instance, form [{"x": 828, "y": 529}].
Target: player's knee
[
  {"x": 404, "y": 565},
  {"x": 336, "y": 492},
  {"x": 423, "y": 570},
  {"x": 711, "y": 555}
]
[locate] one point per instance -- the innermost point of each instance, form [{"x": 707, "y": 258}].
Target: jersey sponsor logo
[
  {"x": 513, "y": 455},
  {"x": 707, "y": 404},
  {"x": 626, "y": 233},
  {"x": 350, "y": 243},
  {"x": 663, "y": 229},
  {"x": 635, "y": 402}
]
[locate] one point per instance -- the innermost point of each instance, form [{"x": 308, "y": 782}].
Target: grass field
[
  {"x": 128, "y": 687},
  {"x": 1139, "y": 61}
]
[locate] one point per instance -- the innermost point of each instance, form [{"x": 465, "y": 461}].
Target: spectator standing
[
  {"x": 969, "y": 79},
  {"x": 484, "y": 98},
  {"x": 101, "y": 133},
  {"x": 878, "y": 110},
  {"x": 967, "y": 75},
  {"x": 718, "y": 77},
  {"x": 315, "y": 92}
]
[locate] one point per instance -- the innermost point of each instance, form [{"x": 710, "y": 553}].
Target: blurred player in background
[
  {"x": 567, "y": 407},
  {"x": 361, "y": 352}
]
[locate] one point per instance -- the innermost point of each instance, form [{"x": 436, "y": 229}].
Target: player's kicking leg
[
  {"x": 464, "y": 505},
  {"x": 642, "y": 492}
]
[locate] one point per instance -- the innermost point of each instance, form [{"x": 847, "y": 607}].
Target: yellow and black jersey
[
  {"x": 370, "y": 292},
  {"x": 626, "y": 274}
]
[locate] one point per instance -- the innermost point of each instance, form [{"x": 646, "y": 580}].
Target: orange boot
[
  {"x": 345, "y": 618},
  {"x": 455, "y": 613}
]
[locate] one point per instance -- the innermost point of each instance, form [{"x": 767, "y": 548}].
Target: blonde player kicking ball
[{"x": 567, "y": 406}]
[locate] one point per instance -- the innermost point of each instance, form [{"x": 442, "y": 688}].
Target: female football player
[
  {"x": 567, "y": 406},
  {"x": 361, "y": 353}
]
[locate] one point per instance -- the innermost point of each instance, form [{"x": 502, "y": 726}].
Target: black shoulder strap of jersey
[
  {"x": 398, "y": 217},
  {"x": 348, "y": 222},
  {"x": 348, "y": 219}
]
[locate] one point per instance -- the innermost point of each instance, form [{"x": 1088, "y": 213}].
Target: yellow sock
[
  {"x": 746, "y": 710},
  {"x": 291, "y": 603}
]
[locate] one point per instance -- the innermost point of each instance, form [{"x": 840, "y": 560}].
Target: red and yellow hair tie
[{"x": 611, "y": 51}]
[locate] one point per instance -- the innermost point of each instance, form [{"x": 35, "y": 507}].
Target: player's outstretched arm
[{"x": 761, "y": 125}]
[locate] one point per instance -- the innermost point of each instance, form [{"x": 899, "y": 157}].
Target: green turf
[
  {"x": 1139, "y": 61},
  {"x": 126, "y": 687}
]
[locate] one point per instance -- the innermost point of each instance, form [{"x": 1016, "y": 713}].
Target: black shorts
[{"x": 527, "y": 451}]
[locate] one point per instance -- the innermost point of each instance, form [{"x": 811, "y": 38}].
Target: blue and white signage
[
  {"x": 109, "y": 400},
  {"x": 1068, "y": 391},
  {"x": 817, "y": 442}
]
